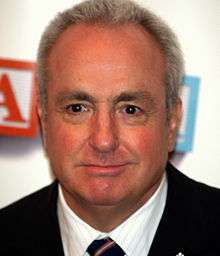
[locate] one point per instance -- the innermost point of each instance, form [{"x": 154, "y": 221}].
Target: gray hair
[{"x": 115, "y": 12}]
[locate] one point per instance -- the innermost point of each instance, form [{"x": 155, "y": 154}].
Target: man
[{"x": 109, "y": 73}]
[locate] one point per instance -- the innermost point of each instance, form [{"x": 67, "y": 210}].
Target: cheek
[
  {"x": 147, "y": 141},
  {"x": 62, "y": 139}
]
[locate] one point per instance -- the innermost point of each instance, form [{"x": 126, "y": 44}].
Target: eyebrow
[
  {"x": 75, "y": 95},
  {"x": 122, "y": 97},
  {"x": 134, "y": 95}
]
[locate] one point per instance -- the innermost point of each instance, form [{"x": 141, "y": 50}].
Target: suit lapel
[
  {"x": 46, "y": 238},
  {"x": 174, "y": 234},
  {"x": 52, "y": 236}
]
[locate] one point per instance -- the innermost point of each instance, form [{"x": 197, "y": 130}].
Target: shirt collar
[{"x": 134, "y": 235}]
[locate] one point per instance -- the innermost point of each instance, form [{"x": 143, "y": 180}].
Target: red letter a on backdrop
[{"x": 9, "y": 102}]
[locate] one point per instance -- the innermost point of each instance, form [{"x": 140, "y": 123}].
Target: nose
[{"x": 104, "y": 135}]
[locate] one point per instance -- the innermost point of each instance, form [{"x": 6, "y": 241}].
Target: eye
[
  {"x": 132, "y": 110},
  {"x": 76, "y": 108}
]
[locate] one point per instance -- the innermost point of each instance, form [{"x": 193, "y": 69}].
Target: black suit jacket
[{"x": 190, "y": 223}]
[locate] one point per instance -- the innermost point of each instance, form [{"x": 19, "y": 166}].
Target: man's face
[{"x": 107, "y": 135}]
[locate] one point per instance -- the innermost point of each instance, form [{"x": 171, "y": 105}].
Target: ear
[
  {"x": 41, "y": 115},
  {"x": 175, "y": 117},
  {"x": 38, "y": 103}
]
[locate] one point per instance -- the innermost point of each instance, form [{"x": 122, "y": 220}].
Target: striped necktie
[{"x": 105, "y": 247}]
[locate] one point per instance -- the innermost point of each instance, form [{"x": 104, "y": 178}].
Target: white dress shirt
[{"x": 134, "y": 236}]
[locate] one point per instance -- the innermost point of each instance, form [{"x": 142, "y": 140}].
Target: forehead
[
  {"x": 85, "y": 37},
  {"x": 104, "y": 52}
]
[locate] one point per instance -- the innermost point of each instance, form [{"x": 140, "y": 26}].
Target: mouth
[{"x": 105, "y": 170}]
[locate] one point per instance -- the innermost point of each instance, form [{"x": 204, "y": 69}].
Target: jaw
[{"x": 105, "y": 213}]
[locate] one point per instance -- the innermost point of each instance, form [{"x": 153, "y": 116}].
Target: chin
[{"x": 106, "y": 198}]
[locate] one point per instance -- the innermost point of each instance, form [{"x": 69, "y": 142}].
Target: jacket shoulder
[
  {"x": 30, "y": 203},
  {"x": 200, "y": 201},
  {"x": 33, "y": 219},
  {"x": 203, "y": 191}
]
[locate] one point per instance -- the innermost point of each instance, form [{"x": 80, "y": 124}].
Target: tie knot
[{"x": 105, "y": 247}]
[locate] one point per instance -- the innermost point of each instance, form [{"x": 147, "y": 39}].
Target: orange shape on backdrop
[
  {"x": 17, "y": 98},
  {"x": 9, "y": 102}
]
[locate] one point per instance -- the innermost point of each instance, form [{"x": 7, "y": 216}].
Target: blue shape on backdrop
[{"x": 190, "y": 100}]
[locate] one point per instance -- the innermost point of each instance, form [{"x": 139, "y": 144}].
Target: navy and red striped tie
[{"x": 105, "y": 247}]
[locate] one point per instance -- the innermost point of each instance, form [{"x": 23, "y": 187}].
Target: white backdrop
[{"x": 23, "y": 166}]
